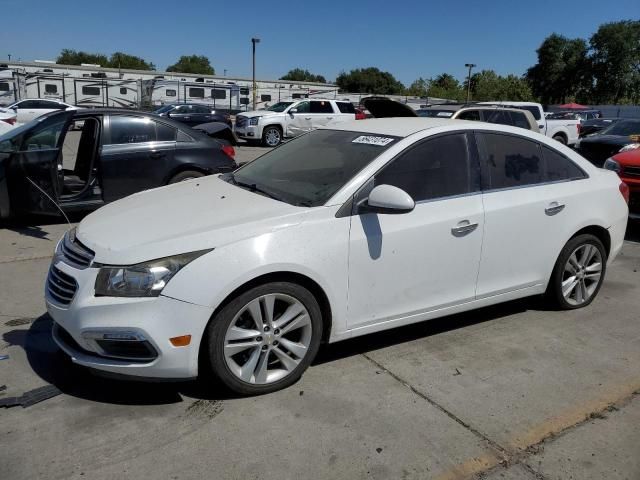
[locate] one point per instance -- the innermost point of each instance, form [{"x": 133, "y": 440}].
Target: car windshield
[
  {"x": 623, "y": 128},
  {"x": 432, "y": 112},
  {"x": 279, "y": 107},
  {"x": 308, "y": 170},
  {"x": 164, "y": 109}
]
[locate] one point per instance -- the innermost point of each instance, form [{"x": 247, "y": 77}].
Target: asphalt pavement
[{"x": 514, "y": 391}]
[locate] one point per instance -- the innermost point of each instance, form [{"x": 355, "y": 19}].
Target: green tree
[
  {"x": 73, "y": 57},
  {"x": 418, "y": 88},
  {"x": 487, "y": 85},
  {"x": 445, "y": 86},
  {"x": 562, "y": 71},
  {"x": 192, "y": 64},
  {"x": 615, "y": 57},
  {"x": 369, "y": 80},
  {"x": 124, "y": 60},
  {"x": 300, "y": 75}
]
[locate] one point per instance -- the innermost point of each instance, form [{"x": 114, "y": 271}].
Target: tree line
[{"x": 603, "y": 69}]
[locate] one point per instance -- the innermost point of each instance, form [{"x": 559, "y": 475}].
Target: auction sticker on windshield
[{"x": 372, "y": 140}]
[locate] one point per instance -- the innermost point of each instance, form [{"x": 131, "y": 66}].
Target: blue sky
[{"x": 409, "y": 39}]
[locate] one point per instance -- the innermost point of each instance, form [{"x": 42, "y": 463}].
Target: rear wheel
[
  {"x": 264, "y": 339},
  {"x": 578, "y": 273},
  {"x": 271, "y": 136},
  {"x": 186, "y": 175},
  {"x": 560, "y": 138}
]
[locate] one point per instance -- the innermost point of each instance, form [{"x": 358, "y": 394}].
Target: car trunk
[{"x": 382, "y": 107}]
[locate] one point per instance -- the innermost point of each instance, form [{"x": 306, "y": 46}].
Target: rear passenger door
[
  {"x": 321, "y": 113},
  {"x": 135, "y": 156},
  {"x": 529, "y": 193}
]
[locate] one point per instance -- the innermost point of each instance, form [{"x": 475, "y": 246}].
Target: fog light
[
  {"x": 181, "y": 341},
  {"x": 249, "y": 134}
]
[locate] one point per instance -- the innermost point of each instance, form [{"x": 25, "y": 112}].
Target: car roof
[{"x": 395, "y": 126}]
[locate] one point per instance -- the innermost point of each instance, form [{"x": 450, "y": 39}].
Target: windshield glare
[
  {"x": 164, "y": 109},
  {"x": 279, "y": 107},
  {"x": 624, "y": 128},
  {"x": 308, "y": 170}
]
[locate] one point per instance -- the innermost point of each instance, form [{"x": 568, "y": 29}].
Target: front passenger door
[
  {"x": 300, "y": 121},
  {"x": 405, "y": 265}
]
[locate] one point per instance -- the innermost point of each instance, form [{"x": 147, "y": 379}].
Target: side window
[
  {"x": 50, "y": 88},
  {"x": 4, "y": 87},
  {"x": 183, "y": 137},
  {"x": 219, "y": 93},
  {"x": 200, "y": 109},
  {"x": 321, "y": 107},
  {"x": 510, "y": 161},
  {"x": 436, "y": 168},
  {"x": 129, "y": 129},
  {"x": 470, "y": 115},
  {"x": 498, "y": 116},
  {"x": 52, "y": 105},
  {"x": 303, "y": 107},
  {"x": 265, "y": 98},
  {"x": 44, "y": 136},
  {"x": 196, "y": 92},
  {"x": 244, "y": 90},
  {"x": 346, "y": 107},
  {"x": 123, "y": 90},
  {"x": 165, "y": 133},
  {"x": 26, "y": 104},
  {"x": 520, "y": 120},
  {"x": 169, "y": 92},
  {"x": 90, "y": 90},
  {"x": 559, "y": 167}
]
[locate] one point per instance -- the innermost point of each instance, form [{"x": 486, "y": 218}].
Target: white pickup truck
[{"x": 564, "y": 131}]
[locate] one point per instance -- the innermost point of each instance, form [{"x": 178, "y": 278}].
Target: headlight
[
  {"x": 254, "y": 120},
  {"x": 631, "y": 146},
  {"x": 611, "y": 164},
  {"x": 143, "y": 279}
]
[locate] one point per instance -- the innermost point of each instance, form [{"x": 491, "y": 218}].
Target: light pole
[
  {"x": 253, "y": 43},
  {"x": 469, "y": 66}
]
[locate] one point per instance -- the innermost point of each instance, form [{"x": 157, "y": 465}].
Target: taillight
[
  {"x": 228, "y": 149},
  {"x": 11, "y": 121},
  {"x": 579, "y": 127},
  {"x": 624, "y": 190}
]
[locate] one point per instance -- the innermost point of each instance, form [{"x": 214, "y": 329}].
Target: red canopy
[{"x": 573, "y": 106}]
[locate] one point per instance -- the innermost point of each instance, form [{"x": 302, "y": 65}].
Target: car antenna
[{"x": 52, "y": 200}]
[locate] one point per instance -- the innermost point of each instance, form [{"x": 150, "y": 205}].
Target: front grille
[
  {"x": 634, "y": 203},
  {"x": 631, "y": 171},
  {"x": 75, "y": 253},
  {"x": 241, "y": 121},
  {"x": 60, "y": 286}
]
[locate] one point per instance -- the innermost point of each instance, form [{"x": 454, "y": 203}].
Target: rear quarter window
[
  {"x": 346, "y": 107},
  {"x": 558, "y": 167}
]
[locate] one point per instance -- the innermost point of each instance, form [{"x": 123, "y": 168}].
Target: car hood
[
  {"x": 185, "y": 217},
  {"x": 628, "y": 159},
  {"x": 382, "y": 107},
  {"x": 606, "y": 140},
  {"x": 259, "y": 113}
]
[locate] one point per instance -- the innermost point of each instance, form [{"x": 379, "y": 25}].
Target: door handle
[
  {"x": 307, "y": 118},
  {"x": 554, "y": 208},
  {"x": 463, "y": 228},
  {"x": 157, "y": 154},
  {"x": 330, "y": 118}
]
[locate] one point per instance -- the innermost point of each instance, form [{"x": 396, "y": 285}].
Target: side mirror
[
  {"x": 388, "y": 199},
  {"x": 292, "y": 111},
  {"x": 168, "y": 114}
]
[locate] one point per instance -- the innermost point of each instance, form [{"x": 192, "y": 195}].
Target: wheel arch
[
  {"x": 599, "y": 232},
  {"x": 184, "y": 168},
  {"x": 561, "y": 134}
]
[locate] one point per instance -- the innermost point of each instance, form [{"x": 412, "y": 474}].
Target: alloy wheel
[
  {"x": 272, "y": 137},
  {"x": 582, "y": 274},
  {"x": 267, "y": 339}
]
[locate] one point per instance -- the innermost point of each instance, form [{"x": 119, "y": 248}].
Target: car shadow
[
  {"x": 633, "y": 231},
  {"x": 56, "y": 368}
]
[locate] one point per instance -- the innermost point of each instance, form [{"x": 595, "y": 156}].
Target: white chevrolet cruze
[{"x": 341, "y": 232}]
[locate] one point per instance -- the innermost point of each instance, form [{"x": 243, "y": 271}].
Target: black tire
[
  {"x": 186, "y": 175},
  {"x": 217, "y": 329},
  {"x": 554, "y": 289},
  {"x": 270, "y": 132},
  {"x": 560, "y": 138}
]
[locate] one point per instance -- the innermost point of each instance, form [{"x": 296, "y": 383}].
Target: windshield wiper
[{"x": 253, "y": 187}]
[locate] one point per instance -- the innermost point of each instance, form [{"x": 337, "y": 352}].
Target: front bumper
[
  {"x": 249, "y": 132},
  {"x": 152, "y": 321}
]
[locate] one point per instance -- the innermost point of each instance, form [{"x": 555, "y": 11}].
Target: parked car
[
  {"x": 347, "y": 230},
  {"x": 621, "y": 136},
  {"x": 596, "y": 125},
  {"x": 31, "y": 108},
  {"x": 83, "y": 159},
  {"x": 288, "y": 119},
  {"x": 564, "y": 131},
  {"x": 581, "y": 115},
  {"x": 501, "y": 115},
  {"x": 627, "y": 166},
  {"x": 192, "y": 113}
]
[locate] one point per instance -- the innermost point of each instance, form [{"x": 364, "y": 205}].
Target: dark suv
[{"x": 192, "y": 113}]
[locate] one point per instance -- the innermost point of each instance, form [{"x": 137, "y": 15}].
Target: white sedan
[
  {"x": 341, "y": 232},
  {"x": 31, "y": 108},
  {"x": 7, "y": 120}
]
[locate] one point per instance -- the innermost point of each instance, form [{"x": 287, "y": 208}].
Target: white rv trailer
[{"x": 93, "y": 86}]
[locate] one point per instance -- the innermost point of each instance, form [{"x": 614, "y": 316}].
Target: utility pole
[
  {"x": 253, "y": 43},
  {"x": 225, "y": 72},
  {"x": 9, "y": 57},
  {"x": 469, "y": 66}
]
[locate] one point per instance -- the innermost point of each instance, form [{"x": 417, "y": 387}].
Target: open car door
[
  {"x": 36, "y": 175},
  {"x": 382, "y": 107}
]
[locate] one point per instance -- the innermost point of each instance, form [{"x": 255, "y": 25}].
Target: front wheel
[
  {"x": 560, "y": 138},
  {"x": 264, "y": 339},
  {"x": 578, "y": 273},
  {"x": 186, "y": 175},
  {"x": 271, "y": 136}
]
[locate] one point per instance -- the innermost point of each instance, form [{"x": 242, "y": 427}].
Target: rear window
[
  {"x": 309, "y": 169},
  {"x": 346, "y": 107},
  {"x": 435, "y": 113},
  {"x": 624, "y": 128}
]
